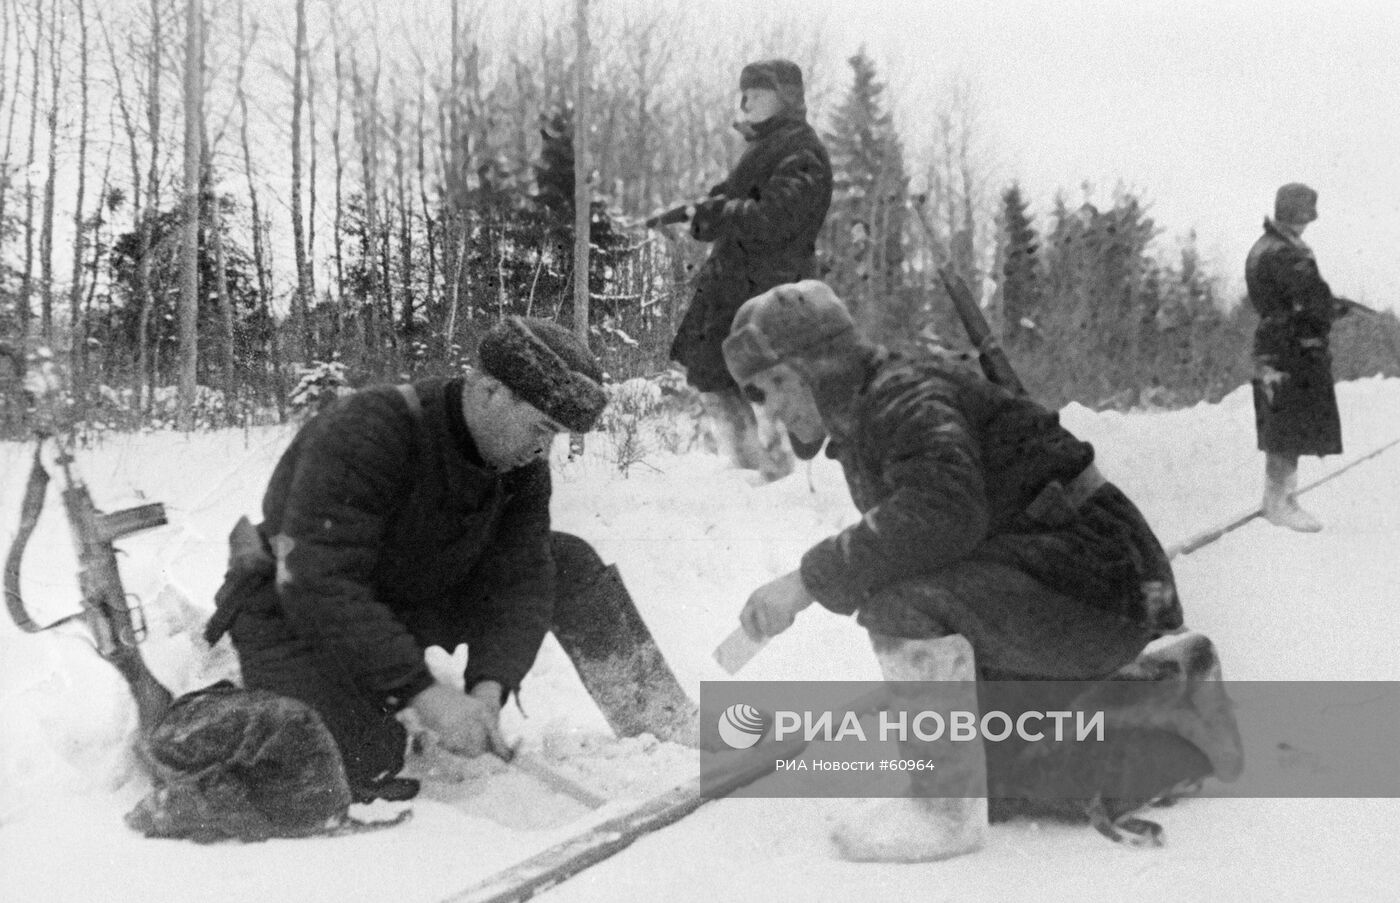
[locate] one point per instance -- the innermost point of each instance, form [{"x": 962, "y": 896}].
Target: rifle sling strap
[{"x": 30, "y": 510}]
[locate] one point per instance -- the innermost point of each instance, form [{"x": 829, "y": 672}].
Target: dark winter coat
[
  {"x": 943, "y": 466},
  {"x": 763, "y": 220},
  {"x": 391, "y": 534},
  {"x": 1296, "y": 310}
]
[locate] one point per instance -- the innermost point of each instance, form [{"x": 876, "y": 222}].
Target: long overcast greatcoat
[
  {"x": 1296, "y": 310},
  {"x": 391, "y": 535},
  {"x": 764, "y": 235},
  {"x": 943, "y": 465}
]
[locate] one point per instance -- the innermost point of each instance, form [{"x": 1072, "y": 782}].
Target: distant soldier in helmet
[
  {"x": 989, "y": 547},
  {"x": 763, "y": 220},
  {"x": 1295, "y": 407}
]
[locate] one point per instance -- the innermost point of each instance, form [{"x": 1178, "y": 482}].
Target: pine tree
[
  {"x": 864, "y": 234},
  {"x": 553, "y": 204},
  {"x": 1020, "y": 270},
  {"x": 1096, "y": 263}
]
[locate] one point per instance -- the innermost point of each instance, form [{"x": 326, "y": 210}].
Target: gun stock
[{"x": 995, "y": 364}]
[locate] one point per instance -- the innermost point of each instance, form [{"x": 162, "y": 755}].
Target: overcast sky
[{"x": 1204, "y": 108}]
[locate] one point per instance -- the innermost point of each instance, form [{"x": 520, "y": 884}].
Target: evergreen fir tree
[
  {"x": 1020, "y": 269},
  {"x": 553, "y": 205},
  {"x": 864, "y": 234}
]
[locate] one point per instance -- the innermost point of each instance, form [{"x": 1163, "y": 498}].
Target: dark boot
[{"x": 600, "y": 629}]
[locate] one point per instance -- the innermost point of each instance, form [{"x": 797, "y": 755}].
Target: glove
[
  {"x": 774, "y": 606},
  {"x": 467, "y": 724},
  {"x": 705, "y": 221}
]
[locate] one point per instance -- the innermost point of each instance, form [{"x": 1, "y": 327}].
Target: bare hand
[
  {"x": 1269, "y": 381},
  {"x": 465, "y": 724},
  {"x": 773, "y": 607}
]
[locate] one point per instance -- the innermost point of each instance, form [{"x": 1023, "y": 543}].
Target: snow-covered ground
[{"x": 692, "y": 539}]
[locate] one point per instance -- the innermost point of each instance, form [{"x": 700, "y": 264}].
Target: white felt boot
[
  {"x": 1281, "y": 501},
  {"x": 945, "y": 811}
]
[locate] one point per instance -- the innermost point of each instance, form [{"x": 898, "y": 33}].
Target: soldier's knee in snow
[
  {"x": 901, "y": 612},
  {"x": 574, "y": 558}
]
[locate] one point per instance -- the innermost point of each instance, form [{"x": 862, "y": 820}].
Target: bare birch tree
[
  {"x": 338, "y": 160},
  {"x": 9, "y": 20},
  {"x": 300, "y": 320},
  {"x": 247, "y": 37},
  {"x": 189, "y": 248},
  {"x": 26, "y": 290},
  {"x": 583, "y": 201},
  {"x": 77, "y": 325},
  {"x": 57, "y": 26},
  {"x": 146, "y": 359},
  {"x": 365, "y": 112}
]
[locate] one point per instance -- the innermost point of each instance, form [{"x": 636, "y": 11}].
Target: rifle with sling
[{"x": 116, "y": 623}]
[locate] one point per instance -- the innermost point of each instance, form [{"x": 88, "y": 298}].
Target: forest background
[{"x": 215, "y": 213}]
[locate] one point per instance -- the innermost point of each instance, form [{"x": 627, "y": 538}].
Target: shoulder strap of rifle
[{"x": 30, "y": 509}]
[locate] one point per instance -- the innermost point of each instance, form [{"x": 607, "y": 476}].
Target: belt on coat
[{"x": 1059, "y": 502}]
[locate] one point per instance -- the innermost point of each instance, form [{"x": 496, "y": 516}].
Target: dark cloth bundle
[{"x": 241, "y": 764}]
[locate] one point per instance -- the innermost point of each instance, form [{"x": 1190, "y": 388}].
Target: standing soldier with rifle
[
  {"x": 763, "y": 220},
  {"x": 1295, "y": 406}
]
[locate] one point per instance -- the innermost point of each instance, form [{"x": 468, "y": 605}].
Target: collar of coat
[
  {"x": 757, "y": 131},
  {"x": 838, "y": 390},
  {"x": 1286, "y": 235}
]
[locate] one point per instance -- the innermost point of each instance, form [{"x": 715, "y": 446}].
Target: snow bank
[{"x": 692, "y": 539}]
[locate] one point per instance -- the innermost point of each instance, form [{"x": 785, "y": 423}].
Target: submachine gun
[{"x": 115, "y": 621}]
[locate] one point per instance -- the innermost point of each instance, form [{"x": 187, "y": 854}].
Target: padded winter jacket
[
  {"x": 943, "y": 466},
  {"x": 763, "y": 220},
  {"x": 1295, "y": 305},
  {"x": 391, "y": 534}
]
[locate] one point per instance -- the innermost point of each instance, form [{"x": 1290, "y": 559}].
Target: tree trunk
[
  {"x": 129, "y": 127},
  {"x": 583, "y": 201},
  {"x": 582, "y": 193},
  {"x": 407, "y": 299},
  {"x": 94, "y": 271},
  {"x": 5, "y": 180},
  {"x": 189, "y": 248},
  {"x": 260, "y": 265},
  {"x": 146, "y": 371},
  {"x": 77, "y": 326},
  {"x": 57, "y": 27},
  {"x": 454, "y": 154},
  {"x": 429, "y": 225},
  {"x": 26, "y": 285},
  {"x": 313, "y": 331},
  {"x": 300, "y": 325},
  {"x": 226, "y": 338},
  {"x": 364, "y": 132},
  {"x": 337, "y": 219}
]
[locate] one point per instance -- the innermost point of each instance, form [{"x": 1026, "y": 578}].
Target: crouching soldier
[
  {"x": 418, "y": 515},
  {"x": 990, "y": 547}
]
